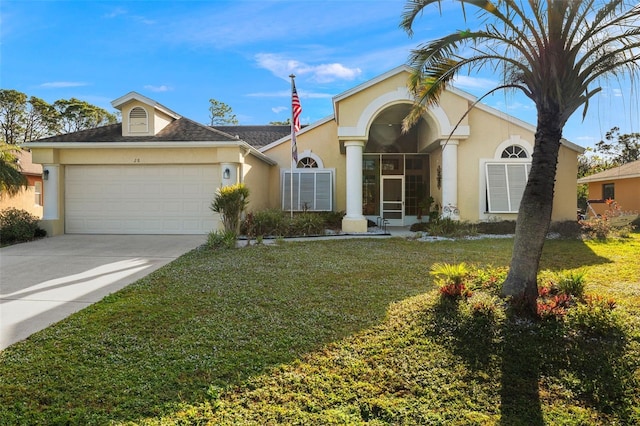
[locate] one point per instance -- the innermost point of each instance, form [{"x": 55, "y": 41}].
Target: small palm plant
[
  {"x": 230, "y": 202},
  {"x": 451, "y": 278}
]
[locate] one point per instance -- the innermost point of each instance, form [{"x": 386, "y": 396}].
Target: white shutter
[
  {"x": 312, "y": 189},
  {"x": 517, "y": 178},
  {"x": 324, "y": 191},
  {"x": 307, "y": 191},
  {"x": 497, "y": 193},
  {"x": 505, "y": 186}
]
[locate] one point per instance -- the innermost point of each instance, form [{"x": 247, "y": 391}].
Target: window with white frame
[
  {"x": 138, "y": 120},
  {"x": 506, "y": 178},
  {"x": 38, "y": 193},
  {"x": 311, "y": 189}
]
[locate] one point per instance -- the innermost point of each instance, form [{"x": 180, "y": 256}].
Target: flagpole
[{"x": 293, "y": 136}]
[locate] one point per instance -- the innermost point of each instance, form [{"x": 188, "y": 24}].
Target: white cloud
[
  {"x": 62, "y": 84},
  {"x": 162, "y": 88},
  {"x": 324, "y": 73},
  {"x": 118, "y": 11},
  {"x": 467, "y": 82},
  {"x": 279, "y": 109}
]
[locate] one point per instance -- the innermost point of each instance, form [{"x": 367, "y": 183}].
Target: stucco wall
[
  {"x": 25, "y": 200},
  {"x": 256, "y": 176},
  {"x": 627, "y": 194},
  {"x": 322, "y": 141},
  {"x": 254, "y": 170},
  {"x": 565, "y": 202}
]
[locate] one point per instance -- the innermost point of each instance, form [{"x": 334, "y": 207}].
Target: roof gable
[{"x": 135, "y": 96}]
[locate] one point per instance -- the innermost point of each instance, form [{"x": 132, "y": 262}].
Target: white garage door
[{"x": 141, "y": 199}]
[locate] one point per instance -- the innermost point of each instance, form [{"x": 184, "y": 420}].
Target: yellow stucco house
[{"x": 157, "y": 172}]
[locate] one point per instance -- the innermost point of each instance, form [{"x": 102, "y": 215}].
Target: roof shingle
[
  {"x": 180, "y": 130},
  {"x": 625, "y": 171}
]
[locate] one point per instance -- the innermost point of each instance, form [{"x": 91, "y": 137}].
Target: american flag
[{"x": 296, "y": 109}]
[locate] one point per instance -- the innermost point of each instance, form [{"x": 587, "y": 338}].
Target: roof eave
[
  {"x": 153, "y": 144},
  {"x": 138, "y": 97}
]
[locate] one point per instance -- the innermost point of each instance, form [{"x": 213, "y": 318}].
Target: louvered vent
[{"x": 138, "y": 121}]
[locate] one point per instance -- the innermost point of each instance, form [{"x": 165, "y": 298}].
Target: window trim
[
  {"x": 608, "y": 187},
  {"x": 37, "y": 192}
]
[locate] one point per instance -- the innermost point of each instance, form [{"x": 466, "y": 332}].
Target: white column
[
  {"x": 450, "y": 179},
  {"x": 354, "y": 221},
  {"x": 51, "y": 184}
]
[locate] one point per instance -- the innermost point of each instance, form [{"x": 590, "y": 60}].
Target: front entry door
[{"x": 393, "y": 200}]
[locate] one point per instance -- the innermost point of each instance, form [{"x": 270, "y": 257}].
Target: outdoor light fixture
[
  {"x": 45, "y": 174},
  {"x": 226, "y": 174}
]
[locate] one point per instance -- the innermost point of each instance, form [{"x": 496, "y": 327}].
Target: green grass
[{"x": 332, "y": 332}]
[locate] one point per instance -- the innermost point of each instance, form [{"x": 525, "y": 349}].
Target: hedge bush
[{"x": 17, "y": 226}]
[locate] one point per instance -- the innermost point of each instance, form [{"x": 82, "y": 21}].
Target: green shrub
[
  {"x": 278, "y": 223},
  {"x": 270, "y": 222},
  {"x": 497, "y": 227},
  {"x": 333, "y": 220},
  {"x": 596, "y": 229},
  {"x": 572, "y": 283},
  {"x": 18, "y": 226},
  {"x": 596, "y": 317},
  {"x": 488, "y": 279},
  {"x": 447, "y": 227},
  {"x": 307, "y": 224},
  {"x": 217, "y": 240}
]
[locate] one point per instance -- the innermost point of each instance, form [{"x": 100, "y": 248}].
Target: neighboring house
[
  {"x": 621, "y": 184},
  {"x": 31, "y": 198},
  {"x": 157, "y": 172}
]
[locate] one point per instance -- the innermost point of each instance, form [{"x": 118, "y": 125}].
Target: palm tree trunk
[{"x": 534, "y": 215}]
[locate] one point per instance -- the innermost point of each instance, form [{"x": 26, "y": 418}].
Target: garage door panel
[{"x": 140, "y": 199}]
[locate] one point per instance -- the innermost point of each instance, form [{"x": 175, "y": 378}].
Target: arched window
[
  {"x": 138, "y": 120},
  {"x": 514, "y": 151},
  {"x": 307, "y": 163}
]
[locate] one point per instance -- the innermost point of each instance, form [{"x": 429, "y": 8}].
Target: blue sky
[{"x": 183, "y": 53}]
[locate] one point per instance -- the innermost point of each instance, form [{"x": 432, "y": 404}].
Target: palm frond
[{"x": 12, "y": 181}]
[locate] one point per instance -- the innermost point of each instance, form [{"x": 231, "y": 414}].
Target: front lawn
[{"x": 348, "y": 331}]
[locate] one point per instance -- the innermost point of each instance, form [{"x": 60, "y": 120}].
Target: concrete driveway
[{"x": 44, "y": 281}]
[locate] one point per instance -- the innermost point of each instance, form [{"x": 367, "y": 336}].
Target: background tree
[
  {"x": 621, "y": 149},
  {"x": 24, "y": 118},
  {"x": 553, "y": 51},
  {"x": 221, "y": 114},
  {"x": 12, "y": 181},
  {"x": 13, "y": 105},
  {"x": 74, "y": 115},
  {"x": 281, "y": 123},
  {"x": 589, "y": 163}
]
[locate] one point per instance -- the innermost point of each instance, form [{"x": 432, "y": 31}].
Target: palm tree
[
  {"x": 555, "y": 52},
  {"x": 11, "y": 180}
]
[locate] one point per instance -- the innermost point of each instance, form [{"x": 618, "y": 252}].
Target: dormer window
[{"x": 138, "y": 120}]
